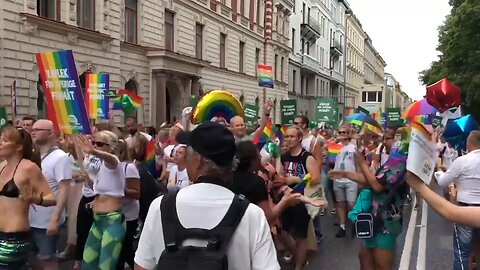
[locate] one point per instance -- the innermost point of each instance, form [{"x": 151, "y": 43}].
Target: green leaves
[{"x": 459, "y": 44}]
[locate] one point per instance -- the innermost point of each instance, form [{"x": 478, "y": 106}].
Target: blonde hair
[{"x": 110, "y": 138}]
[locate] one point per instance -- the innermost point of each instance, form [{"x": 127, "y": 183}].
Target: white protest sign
[{"x": 422, "y": 154}]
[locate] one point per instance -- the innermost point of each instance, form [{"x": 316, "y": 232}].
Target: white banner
[{"x": 422, "y": 154}]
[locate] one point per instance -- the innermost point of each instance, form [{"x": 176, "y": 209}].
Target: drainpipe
[{"x": 349, "y": 13}]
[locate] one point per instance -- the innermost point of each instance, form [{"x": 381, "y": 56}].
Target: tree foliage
[{"x": 459, "y": 44}]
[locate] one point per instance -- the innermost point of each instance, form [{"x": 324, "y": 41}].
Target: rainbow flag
[
  {"x": 127, "y": 101},
  {"x": 63, "y": 92},
  {"x": 13, "y": 99},
  {"x": 349, "y": 111},
  {"x": 263, "y": 137},
  {"x": 150, "y": 160},
  {"x": 265, "y": 76},
  {"x": 305, "y": 183},
  {"x": 280, "y": 132},
  {"x": 333, "y": 150},
  {"x": 97, "y": 102}
]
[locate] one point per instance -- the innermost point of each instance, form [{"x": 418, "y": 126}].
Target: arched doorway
[
  {"x": 173, "y": 102},
  {"x": 131, "y": 85}
]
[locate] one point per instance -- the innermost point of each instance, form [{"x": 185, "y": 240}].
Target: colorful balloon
[
  {"x": 444, "y": 95},
  {"x": 219, "y": 104},
  {"x": 456, "y": 131}
]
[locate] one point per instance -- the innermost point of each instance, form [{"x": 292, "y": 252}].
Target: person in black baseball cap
[
  {"x": 205, "y": 204},
  {"x": 211, "y": 150}
]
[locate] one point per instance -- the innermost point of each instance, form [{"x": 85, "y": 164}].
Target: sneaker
[
  {"x": 341, "y": 233},
  {"x": 333, "y": 212},
  {"x": 319, "y": 238},
  {"x": 322, "y": 212},
  {"x": 288, "y": 258}
]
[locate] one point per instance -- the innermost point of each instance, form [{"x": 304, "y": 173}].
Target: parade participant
[
  {"x": 27, "y": 124},
  {"x": 105, "y": 238},
  {"x": 130, "y": 204},
  {"x": 239, "y": 129},
  {"x": 247, "y": 182},
  {"x": 344, "y": 188},
  {"x": 169, "y": 152},
  {"x": 295, "y": 164},
  {"x": 204, "y": 204},
  {"x": 308, "y": 141},
  {"x": 465, "y": 171},
  {"x": 57, "y": 169},
  {"x": 178, "y": 177},
  {"x": 149, "y": 187},
  {"x": 388, "y": 191},
  {"x": 132, "y": 127},
  {"x": 73, "y": 200},
  {"x": 22, "y": 184}
]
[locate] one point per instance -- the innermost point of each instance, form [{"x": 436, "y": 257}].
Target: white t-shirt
[
  {"x": 178, "y": 178},
  {"x": 56, "y": 167},
  {"x": 110, "y": 182},
  {"x": 204, "y": 206},
  {"x": 169, "y": 151},
  {"x": 129, "y": 139},
  {"x": 345, "y": 161},
  {"x": 307, "y": 142},
  {"x": 130, "y": 206}
]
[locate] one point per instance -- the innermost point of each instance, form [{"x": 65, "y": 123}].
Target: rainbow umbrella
[
  {"x": 421, "y": 107},
  {"x": 363, "y": 120}
]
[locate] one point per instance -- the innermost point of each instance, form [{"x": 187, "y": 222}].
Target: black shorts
[{"x": 295, "y": 220}]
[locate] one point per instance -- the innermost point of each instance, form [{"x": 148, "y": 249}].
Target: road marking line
[
  {"x": 407, "y": 246},
  {"x": 422, "y": 241}
]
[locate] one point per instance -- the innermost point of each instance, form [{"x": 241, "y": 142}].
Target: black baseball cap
[{"x": 211, "y": 140}]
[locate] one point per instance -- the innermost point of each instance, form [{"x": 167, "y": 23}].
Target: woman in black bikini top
[{"x": 21, "y": 184}]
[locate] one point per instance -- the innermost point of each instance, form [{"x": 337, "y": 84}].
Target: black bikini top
[{"x": 10, "y": 189}]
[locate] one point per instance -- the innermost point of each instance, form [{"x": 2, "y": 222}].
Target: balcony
[
  {"x": 336, "y": 50},
  {"x": 310, "y": 29},
  {"x": 309, "y": 64}
]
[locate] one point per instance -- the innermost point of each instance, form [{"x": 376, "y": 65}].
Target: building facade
[
  {"x": 165, "y": 51},
  {"x": 355, "y": 61},
  {"x": 316, "y": 62},
  {"x": 373, "y": 89}
]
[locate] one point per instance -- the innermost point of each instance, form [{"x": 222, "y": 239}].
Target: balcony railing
[
  {"x": 310, "y": 29},
  {"x": 310, "y": 64},
  {"x": 336, "y": 49}
]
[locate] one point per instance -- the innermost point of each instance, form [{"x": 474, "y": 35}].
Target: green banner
[
  {"x": 394, "y": 117},
  {"x": 327, "y": 110},
  {"x": 360, "y": 109},
  {"x": 251, "y": 114},
  {"x": 3, "y": 116},
  {"x": 288, "y": 109}
]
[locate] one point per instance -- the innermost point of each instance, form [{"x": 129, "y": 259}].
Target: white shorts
[{"x": 345, "y": 191}]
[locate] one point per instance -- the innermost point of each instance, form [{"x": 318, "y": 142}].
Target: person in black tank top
[
  {"x": 21, "y": 184},
  {"x": 295, "y": 164}
]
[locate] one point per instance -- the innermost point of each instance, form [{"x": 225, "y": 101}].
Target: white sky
[{"x": 405, "y": 34}]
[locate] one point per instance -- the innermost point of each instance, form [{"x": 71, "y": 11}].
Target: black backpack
[{"x": 213, "y": 256}]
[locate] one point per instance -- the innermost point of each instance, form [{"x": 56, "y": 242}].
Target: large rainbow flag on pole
[
  {"x": 66, "y": 107},
  {"x": 265, "y": 76},
  {"x": 97, "y": 102}
]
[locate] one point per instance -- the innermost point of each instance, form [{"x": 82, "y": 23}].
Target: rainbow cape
[
  {"x": 333, "y": 150},
  {"x": 127, "y": 101},
  {"x": 305, "y": 183},
  {"x": 150, "y": 159}
]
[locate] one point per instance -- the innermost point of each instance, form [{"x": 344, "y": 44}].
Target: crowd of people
[{"x": 214, "y": 187}]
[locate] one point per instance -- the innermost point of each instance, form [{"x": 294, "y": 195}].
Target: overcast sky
[{"x": 405, "y": 34}]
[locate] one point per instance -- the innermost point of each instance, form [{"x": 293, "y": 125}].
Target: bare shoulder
[{"x": 29, "y": 167}]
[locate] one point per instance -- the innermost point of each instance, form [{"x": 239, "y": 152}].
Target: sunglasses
[
  {"x": 342, "y": 132},
  {"x": 99, "y": 144},
  {"x": 297, "y": 123}
]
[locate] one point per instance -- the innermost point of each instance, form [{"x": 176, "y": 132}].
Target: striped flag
[{"x": 13, "y": 99}]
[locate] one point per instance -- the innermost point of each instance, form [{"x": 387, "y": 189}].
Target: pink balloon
[{"x": 444, "y": 95}]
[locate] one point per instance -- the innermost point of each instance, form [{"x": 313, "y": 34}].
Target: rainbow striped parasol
[{"x": 421, "y": 107}]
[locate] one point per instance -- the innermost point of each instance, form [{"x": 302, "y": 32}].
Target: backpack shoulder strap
[
  {"x": 173, "y": 231},
  {"x": 224, "y": 231}
]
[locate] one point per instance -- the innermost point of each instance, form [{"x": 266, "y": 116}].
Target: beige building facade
[
  {"x": 355, "y": 61},
  {"x": 166, "y": 51}
]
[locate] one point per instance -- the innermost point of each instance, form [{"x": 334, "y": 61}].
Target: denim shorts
[
  {"x": 345, "y": 191},
  {"x": 46, "y": 245}
]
